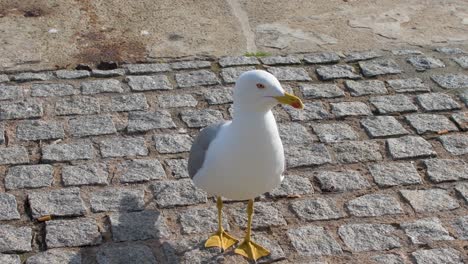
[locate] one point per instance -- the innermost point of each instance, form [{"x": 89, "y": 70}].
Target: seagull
[{"x": 243, "y": 158}]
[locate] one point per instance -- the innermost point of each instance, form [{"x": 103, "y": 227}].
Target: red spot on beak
[{"x": 296, "y": 105}]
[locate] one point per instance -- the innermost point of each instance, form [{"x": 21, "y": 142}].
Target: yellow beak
[{"x": 291, "y": 100}]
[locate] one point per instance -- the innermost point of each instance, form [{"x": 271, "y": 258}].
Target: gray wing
[{"x": 200, "y": 146}]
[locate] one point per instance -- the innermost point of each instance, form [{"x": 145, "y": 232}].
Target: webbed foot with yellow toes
[
  {"x": 251, "y": 250},
  {"x": 221, "y": 238},
  {"x": 248, "y": 248}
]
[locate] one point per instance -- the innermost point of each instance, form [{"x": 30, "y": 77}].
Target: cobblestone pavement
[{"x": 377, "y": 168}]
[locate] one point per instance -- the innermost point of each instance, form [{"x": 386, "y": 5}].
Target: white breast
[{"x": 244, "y": 161}]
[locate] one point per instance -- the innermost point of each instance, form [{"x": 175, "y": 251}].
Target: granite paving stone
[
  {"x": 11, "y": 92},
  {"x": 147, "y": 68},
  {"x": 426, "y": 230},
  {"x": 201, "y": 118},
  {"x": 424, "y": 123},
  {"x": 461, "y": 119},
  {"x": 144, "y": 121},
  {"x": 383, "y": 126},
  {"x": 56, "y": 256},
  {"x": 72, "y": 233},
  {"x": 82, "y": 150},
  {"x": 107, "y": 73},
  {"x": 82, "y": 105},
  {"x": 460, "y": 225},
  {"x": 311, "y": 111},
  {"x": 312, "y": 155},
  {"x": 357, "y": 151},
  {"x": 393, "y": 104},
  {"x": 21, "y": 110},
  {"x": 289, "y": 73},
  {"x": 345, "y": 109},
  {"x": 394, "y": 173},
  {"x": 219, "y": 96},
  {"x": 10, "y": 259},
  {"x": 101, "y": 86},
  {"x": 85, "y": 174},
  {"x": 280, "y": 60},
  {"x": 374, "y": 205},
  {"x": 186, "y": 65},
  {"x": 15, "y": 239},
  {"x": 31, "y": 76},
  {"x": 196, "y": 78},
  {"x": 117, "y": 200},
  {"x": 91, "y": 126},
  {"x": 176, "y": 100},
  {"x": 266, "y": 215},
  {"x": 177, "y": 193},
  {"x": 422, "y": 63},
  {"x": 437, "y": 102},
  {"x": 178, "y": 168},
  {"x": 313, "y": 240},
  {"x": 317, "y": 209},
  {"x": 172, "y": 143},
  {"x": 237, "y": 61},
  {"x": 409, "y": 147},
  {"x": 410, "y": 85},
  {"x": 2, "y": 133},
  {"x": 380, "y": 66},
  {"x": 449, "y": 50},
  {"x": 362, "y": 88},
  {"x": 123, "y": 147},
  {"x": 315, "y": 91},
  {"x": 149, "y": 83},
  {"x": 455, "y": 144},
  {"x": 322, "y": 57},
  {"x": 451, "y": 80},
  {"x": 201, "y": 221},
  {"x": 230, "y": 75},
  {"x": 294, "y": 134},
  {"x": 39, "y": 130},
  {"x": 276, "y": 252},
  {"x": 4, "y": 78},
  {"x": 462, "y": 189},
  {"x": 441, "y": 170},
  {"x": 337, "y": 72},
  {"x": 61, "y": 202},
  {"x": 430, "y": 200},
  {"x": 8, "y": 207},
  {"x": 141, "y": 170},
  {"x": 125, "y": 253},
  {"x": 292, "y": 186},
  {"x": 437, "y": 256},
  {"x": 138, "y": 226},
  {"x": 335, "y": 132},
  {"x": 52, "y": 89},
  {"x": 342, "y": 181},
  {"x": 13, "y": 155},
  {"x": 462, "y": 61},
  {"x": 388, "y": 259},
  {"x": 406, "y": 52},
  {"x": 29, "y": 176},
  {"x": 362, "y": 55},
  {"x": 124, "y": 103},
  {"x": 67, "y": 74},
  {"x": 464, "y": 96},
  {"x": 369, "y": 237}
]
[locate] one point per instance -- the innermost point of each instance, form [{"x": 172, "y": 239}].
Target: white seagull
[{"x": 243, "y": 158}]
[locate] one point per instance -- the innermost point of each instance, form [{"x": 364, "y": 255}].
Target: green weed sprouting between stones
[{"x": 257, "y": 54}]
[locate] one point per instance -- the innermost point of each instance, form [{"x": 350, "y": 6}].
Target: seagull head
[{"x": 259, "y": 90}]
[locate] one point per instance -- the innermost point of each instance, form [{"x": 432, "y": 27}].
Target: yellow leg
[
  {"x": 221, "y": 238},
  {"x": 248, "y": 248}
]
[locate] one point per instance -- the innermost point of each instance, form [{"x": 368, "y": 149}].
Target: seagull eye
[{"x": 260, "y": 86}]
